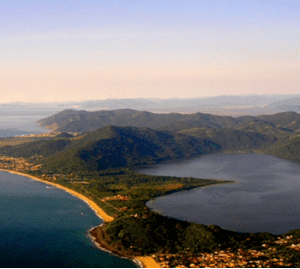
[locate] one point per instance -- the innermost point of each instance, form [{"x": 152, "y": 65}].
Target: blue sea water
[
  {"x": 42, "y": 226},
  {"x": 18, "y": 125}
]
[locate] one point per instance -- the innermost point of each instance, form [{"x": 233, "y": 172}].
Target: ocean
[{"x": 43, "y": 226}]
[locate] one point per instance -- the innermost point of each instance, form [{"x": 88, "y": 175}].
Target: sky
[{"x": 54, "y": 51}]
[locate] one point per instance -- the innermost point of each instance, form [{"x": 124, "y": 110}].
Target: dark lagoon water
[
  {"x": 264, "y": 198},
  {"x": 42, "y": 226}
]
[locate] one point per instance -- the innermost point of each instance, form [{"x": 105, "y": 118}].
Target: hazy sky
[{"x": 85, "y": 50}]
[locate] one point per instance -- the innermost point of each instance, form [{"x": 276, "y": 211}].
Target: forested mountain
[
  {"x": 44, "y": 147},
  {"x": 287, "y": 120},
  {"x": 230, "y": 139},
  {"x": 112, "y": 147},
  {"x": 288, "y": 148},
  {"x": 83, "y": 121}
]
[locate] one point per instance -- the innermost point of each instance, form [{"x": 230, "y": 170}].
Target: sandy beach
[
  {"x": 146, "y": 262},
  {"x": 99, "y": 211}
]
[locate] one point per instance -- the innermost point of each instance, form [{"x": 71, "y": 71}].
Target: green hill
[
  {"x": 83, "y": 121},
  {"x": 286, "y": 149},
  {"x": 230, "y": 139},
  {"x": 112, "y": 147},
  {"x": 115, "y": 147},
  {"x": 289, "y": 121},
  {"x": 44, "y": 147}
]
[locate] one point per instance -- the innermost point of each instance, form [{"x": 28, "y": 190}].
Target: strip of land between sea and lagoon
[
  {"x": 200, "y": 245},
  {"x": 143, "y": 261}
]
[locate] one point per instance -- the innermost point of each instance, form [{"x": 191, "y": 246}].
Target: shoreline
[
  {"x": 145, "y": 262},
  {"x": 102, "y": 248},
  {"x": 135, "y": 260},
  {"x": 99, "y": 211}
]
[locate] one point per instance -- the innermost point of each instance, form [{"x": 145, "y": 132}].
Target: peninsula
[
  {"x": 194, "y": 245},
  {"x": 23, "y": 167}
]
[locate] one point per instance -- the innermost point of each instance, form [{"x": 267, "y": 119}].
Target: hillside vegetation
[
  {"x": 112, "y": 147},
  {"x": 266, "y": 133},
  {"x": 84, "y": 121}
]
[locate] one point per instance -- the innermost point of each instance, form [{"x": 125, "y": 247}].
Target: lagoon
[{"x": 264, "y": 198}]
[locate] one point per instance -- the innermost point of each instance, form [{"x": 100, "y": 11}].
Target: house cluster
[
  {"x": 51, "y": 134},
  {"x": 18, "y": 164},
  {"x": 51, "y": 177},
  {"x": 55, "y": 177},
  {"x": 287, "y": 242},
  {"x": 117, "y": 197},
  {"x": 269, "y": 258}
]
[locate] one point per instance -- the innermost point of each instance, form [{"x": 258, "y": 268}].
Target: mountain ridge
[
  {"x": 84, "y": 121},
  {"x": 112, "y": 147},
  {"x": 176, "y": 136}
]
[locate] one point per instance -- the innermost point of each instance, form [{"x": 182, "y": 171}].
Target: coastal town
[
  {"x": 269, "y": 258},
  {"x": 20, "y": 164}
]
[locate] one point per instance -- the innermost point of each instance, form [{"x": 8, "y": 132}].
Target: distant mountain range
[
  {"x": 220, "y": 105},
  {"x": 84, "y": 121}
]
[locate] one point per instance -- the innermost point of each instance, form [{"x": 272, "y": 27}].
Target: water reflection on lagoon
[{"x": 265, "y": 196}]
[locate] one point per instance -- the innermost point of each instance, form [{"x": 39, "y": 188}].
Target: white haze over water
[{"x": 18, "y": 125}]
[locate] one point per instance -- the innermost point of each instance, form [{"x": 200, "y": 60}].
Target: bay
[
  {"x": 264, "y": 198},
  {"x": 42, "y": 226},
  {"x": 11, "y": 125}
]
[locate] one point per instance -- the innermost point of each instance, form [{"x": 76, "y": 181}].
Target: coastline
[
  {"x": 146, "y": 262},
  {"x": 137, "y": 260},
  {"x": 99, "y": 211}
]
